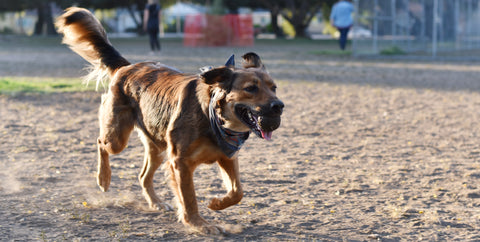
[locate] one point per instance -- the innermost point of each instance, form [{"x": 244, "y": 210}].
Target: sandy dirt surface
[{"x": 367, "y": 150}]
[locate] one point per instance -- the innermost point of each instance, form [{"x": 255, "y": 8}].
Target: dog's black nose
[{"x": 277, "y": 107}]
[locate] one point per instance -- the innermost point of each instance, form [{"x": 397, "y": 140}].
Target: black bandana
[{"x": 228, "y": 140}]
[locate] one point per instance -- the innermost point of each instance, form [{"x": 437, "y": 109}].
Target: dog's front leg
[
  {"x": 231, "y": 179},
  {"x": 182, "y": 184},
  {"x": 104, "y": 174}
]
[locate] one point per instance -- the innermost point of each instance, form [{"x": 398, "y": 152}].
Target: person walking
[
  {"x": 341, "y": 18},
  {"x": 151, "y": 23}
]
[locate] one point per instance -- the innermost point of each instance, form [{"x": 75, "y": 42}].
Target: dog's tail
[{"x": 84, "y": 34}]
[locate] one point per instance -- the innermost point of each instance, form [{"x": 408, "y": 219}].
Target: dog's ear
[
  {"x": 221, "y": 76},
  {"x": 230, "y": 62},
  {"x": 252, "y": 60}
]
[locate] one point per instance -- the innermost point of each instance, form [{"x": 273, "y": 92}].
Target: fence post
[
  {"x": 393, "y": 16},
  {"x": 355, "y": 23},
  {"x": 457, "y": 22},
  {"x": 375, "y": 28},
  {"x": 435, "y": 26},
  {"x": 469, "y": 19}
]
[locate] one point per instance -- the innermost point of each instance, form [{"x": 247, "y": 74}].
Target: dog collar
[{"x": 228, "y": 140}]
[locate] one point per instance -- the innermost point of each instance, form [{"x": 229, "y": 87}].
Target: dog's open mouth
[{"x": 262, "y": 126}]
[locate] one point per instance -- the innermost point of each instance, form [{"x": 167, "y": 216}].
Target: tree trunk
[
  {"x": 297, "y": 21},
  {"x": 40, "y": 21},
  {"x": 140, "y": 8},
  {"x": 138, "y": 24},
  {"x": 300, "y": 30},
  {"x": 274, "y": 12},
  {"x": 302, "y": 14},
  {"x": 45, "y": 20},
  {"x": 49, "y": 20}
]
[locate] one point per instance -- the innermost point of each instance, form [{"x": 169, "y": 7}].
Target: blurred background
[
  {"x": 291, "y": 18},
  {"x": 387, "y": 27}
]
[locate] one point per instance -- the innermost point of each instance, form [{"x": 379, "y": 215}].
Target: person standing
[
  {"x": 151, "y": 23},
  {"x": 341, "y": 18}
]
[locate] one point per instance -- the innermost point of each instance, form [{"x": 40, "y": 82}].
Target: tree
[
  {"x": 130, "y": 5},
  {"x": 45, "y": 19},
  {"x": 274, "y": 7},
  {"x": 11, "y": 5},
  {"x": 300, "y": 13},
  {"x": 44, "y": 23}
]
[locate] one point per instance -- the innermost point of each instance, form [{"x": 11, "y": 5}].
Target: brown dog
[{"x": 191, "y": 119}]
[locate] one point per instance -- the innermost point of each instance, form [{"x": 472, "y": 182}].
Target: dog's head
[{"x": 246, "y": 97}]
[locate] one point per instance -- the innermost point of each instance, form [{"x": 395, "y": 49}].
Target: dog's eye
[
  {"x": 274, "y": 89},
  {"x": 251, "y": 89}
]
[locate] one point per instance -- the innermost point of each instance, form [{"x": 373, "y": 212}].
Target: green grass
[
  {"x": 12, "y": 85},
  {"x": 332, "y": 52},
  {"x": 393, "y": 50}
]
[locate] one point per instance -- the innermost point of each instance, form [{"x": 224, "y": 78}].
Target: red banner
[{"x": 218, "y": 30}]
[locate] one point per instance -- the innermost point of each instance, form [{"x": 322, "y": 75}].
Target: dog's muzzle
[{"x": 264, "y": 121}]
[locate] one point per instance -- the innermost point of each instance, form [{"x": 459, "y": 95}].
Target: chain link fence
[{"x": 423, "y": 27}]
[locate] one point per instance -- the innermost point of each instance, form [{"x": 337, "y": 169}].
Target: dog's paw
[
  {"x": 154, "y": 202},
  {"x": 208, "y": 229},
  {"x": 200, "y": 225},
  {"x": 103, "y": 182},
  {"x": 161, "y": 206},
  {"x": 212, "y": 230},
  {"x": 215, "y": 204},
  {"x": 224, "y": 202}
]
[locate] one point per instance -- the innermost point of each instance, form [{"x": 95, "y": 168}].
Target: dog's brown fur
[{"x": 170, "y": 111}]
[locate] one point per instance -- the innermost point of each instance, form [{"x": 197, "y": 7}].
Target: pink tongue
[{"x": 267, "y": 135}]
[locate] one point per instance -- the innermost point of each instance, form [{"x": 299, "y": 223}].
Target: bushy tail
[{"x": 84, "y": 34}]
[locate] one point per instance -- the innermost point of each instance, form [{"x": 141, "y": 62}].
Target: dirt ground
[{"x": 367, "y": 150}]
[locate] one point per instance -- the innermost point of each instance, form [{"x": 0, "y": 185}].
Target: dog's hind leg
[
  {"x": 182, "y": 185},
  {"x": 231, "y": 180},
  {"x": 153, "y": 159},
  {"x": 116, "y": 123}
]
